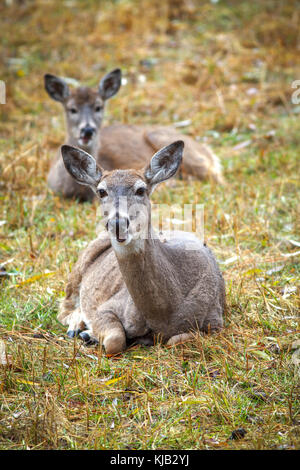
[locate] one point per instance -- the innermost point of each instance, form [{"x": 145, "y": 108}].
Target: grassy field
[{"x": 228, "y": 68}]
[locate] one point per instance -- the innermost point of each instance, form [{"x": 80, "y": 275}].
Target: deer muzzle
[
  {"x": 118, "y": 228},
  {"x": 87, "y": 133}
]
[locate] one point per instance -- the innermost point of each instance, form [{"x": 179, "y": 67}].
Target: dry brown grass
[{"x": 228, "y": 67}]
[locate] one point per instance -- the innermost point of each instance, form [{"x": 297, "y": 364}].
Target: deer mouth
[
  {"x": 86, "y": 135},
  {"x": 85, "y": 140},
  {"x": 121, "y": 240}
]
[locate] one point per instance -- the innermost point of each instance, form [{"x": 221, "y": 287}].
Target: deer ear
[
  {"x": 164, "y": 163},
  {"x": 110, "y": 84},
  {"x": 56, "y": 87},
  {"x": 81, "y": 166}
]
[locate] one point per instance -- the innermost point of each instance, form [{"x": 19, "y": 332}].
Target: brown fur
[
  {"x": 125, "y": 146},
  {"x": 148, "y": 286},
  {"x": 83, "y": 95}
]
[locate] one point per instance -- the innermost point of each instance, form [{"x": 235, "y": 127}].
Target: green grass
[{"x": 58, "y": 394}]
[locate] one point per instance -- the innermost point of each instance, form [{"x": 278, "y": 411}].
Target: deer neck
[
  {"x": 146, "y": 268},
  {"x": 92, "y": 149}
]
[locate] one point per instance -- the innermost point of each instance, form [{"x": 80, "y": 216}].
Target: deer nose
[
  {"x": 118, "y": 227},
  {"x": 87, "y": 132}
]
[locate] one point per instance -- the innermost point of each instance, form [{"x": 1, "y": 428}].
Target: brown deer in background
[
  {"x": 119, "y": 145},
  {"x": 129, "y": 284},
  {"x": 84, "y": 110}
]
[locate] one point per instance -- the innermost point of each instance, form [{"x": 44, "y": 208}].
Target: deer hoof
[
  {"x": 87, "y": 338},
  {"x": 73, "y": 333}
]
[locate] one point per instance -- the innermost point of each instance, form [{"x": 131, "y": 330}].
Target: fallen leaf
[
  {"x": 34, "y": 278},
  {"x": 26, "y": 382},
  {"x": 112, "y": 381}
]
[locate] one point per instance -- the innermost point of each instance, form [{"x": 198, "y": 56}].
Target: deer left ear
[
  {"x": 81, "y": 166},
  {"x": 110, "y": 84},
  {"x": 56, "y": 87},
  {"x": 165, "y": 163}
]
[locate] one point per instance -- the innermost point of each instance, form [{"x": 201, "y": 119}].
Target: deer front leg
[
  {"x": 69, "y": 307},
  {"x": 86, "y": 258},
  {"x": 74, "y": 321},
  {"x": 106, "y": 329}
]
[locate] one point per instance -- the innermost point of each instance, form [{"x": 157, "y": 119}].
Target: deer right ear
[
  {"x": 81, "y": 166},
  {"x": 164, "y": 163},
  {"x": 110, "y": 84},
  {"x": 56, "y": 87}
]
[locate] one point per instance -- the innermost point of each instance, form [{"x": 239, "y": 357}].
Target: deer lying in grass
[
  {"x": 84, "y": 109},
  {"x": 116, "y": 146},
  {"x": 129, "y": 284}
]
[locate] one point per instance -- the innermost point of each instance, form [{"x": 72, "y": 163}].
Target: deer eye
[
  {"x": 73, "y": 111},
  {"x": 140, "y": 191},
  {"x": 102, "y": 193},
  {"x": 98, "y": 109}
]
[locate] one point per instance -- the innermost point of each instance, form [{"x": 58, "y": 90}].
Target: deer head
[
  {"x": 83, "y": 106},
  {"x": 124, "y": 194}
]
